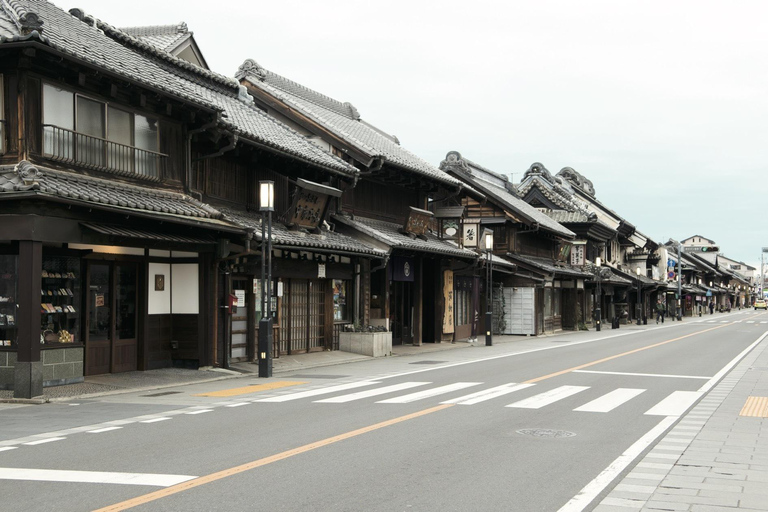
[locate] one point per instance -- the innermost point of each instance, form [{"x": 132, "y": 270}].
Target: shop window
[
  {"x": 341, "y": 310},
  {"x": 547, "y": 302},
  {"x": 60, "y": 300},
  {"x": 8, "y": 300},
  {"x": 81, "y": 130}
]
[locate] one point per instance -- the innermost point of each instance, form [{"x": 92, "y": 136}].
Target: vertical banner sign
[
  {"x": 577, "y": 256},
  {"x": 448, "y": 299},
  {"x": 470, "y": 235}
]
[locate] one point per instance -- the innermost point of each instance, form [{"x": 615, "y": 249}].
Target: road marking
[
  {"x": 750, "y": 321},
  {"x": 371, "y": 392},
  {"x": 316, "y": 392},
  {"x": 644, "y": 374},
  {"x": 106, "y": 429},
  {"x": 200, "y": 411},
  {"x": 155, "y": 420},
  {"x": 609, "y": 358},
  {"x": 675, "y": 404},
  {"x": 590, "y": 491},
  {"x": 43, "y": 441},
  {"x": 405, "y": 399},
  {"x": 756, "y": 406},
  {"x": 92, "y": 477},
  {"x": 252, "y": 389},
  {"x": 487, "y": 394},
  {"x": 191, "y": 484},
  {"x": 6, "y": 448},
  {"x": 548, "y": 397},
  {"x": 610, "y": 401},
  {"x": 238, "y": 404}
]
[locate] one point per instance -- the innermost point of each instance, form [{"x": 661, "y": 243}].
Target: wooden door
[
  {"x": 124, "y": 341},
  {"x": 402, "y": 312},
  {"x": 98, "y": 332}
]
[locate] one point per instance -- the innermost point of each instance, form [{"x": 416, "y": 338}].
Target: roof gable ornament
[
  {"x": 28, "y": 22},
  {"x": 28, "y": 173},
  {"x": 251, "y": 68},
  {"x": 454, "y": 161},
  {"x": 537, "y": 169},
  {"x": 573, "y": 177}
]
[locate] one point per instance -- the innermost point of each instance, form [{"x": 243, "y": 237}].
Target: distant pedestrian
[
  {"x": 659, "y": 311},
  {"x": 711, "y": 307}
]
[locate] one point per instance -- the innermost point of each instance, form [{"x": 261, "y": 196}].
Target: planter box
[{"x": 375, "y": 344}]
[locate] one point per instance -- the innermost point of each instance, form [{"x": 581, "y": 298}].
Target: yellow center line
[
  {"x": 586, "y": 365},
  {"x": 252, "y": 389},
  {"x": 191, "y": 484}
]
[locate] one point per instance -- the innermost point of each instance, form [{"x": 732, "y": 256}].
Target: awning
[{"x": 144, "y": 234}]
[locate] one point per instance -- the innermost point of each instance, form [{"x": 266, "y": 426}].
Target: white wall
[
  {"x": 159, "y": 301},
  {"x": 185, "y": 289}
]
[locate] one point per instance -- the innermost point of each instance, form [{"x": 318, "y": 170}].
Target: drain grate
[
  {"x": 428, "y": 362},
  {"x": 161, "y": 394},
  {"x": 545, "y": 432}
]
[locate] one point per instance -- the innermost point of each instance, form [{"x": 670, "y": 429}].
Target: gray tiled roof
[
  {"x": 549, "y": 265},
  {"x": 118, "y": 52},
  {"x": 389, "y": 234},
  {"x": 109, "y": 193},
  {"x": 565, "y": 217},
  {"x": 342, "y": 119},
  {"x": 282, "y": 236},
  {"x": 163, "y": 37},
  {"x": 490, "y": 183}
]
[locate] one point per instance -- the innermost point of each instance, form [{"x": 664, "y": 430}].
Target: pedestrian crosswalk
[{"x": 671, "y": 405}]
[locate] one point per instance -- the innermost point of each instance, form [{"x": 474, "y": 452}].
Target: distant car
[{"x": 761, "y": 304}]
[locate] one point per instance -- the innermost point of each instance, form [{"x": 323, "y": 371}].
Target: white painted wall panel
[
  {"x": 159, "y": 300},
  {"x": 185, "y": 289}
]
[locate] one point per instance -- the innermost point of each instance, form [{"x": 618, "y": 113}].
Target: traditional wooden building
[
  {"x": 389, "y": 207},
  {"x": 128, "y": 180},
  {"x": 544, "y": 291}
]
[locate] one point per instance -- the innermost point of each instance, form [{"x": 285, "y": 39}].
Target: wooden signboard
[
  {"x": 448, "y": 300},
  {"x": 310, "y": 203},
  {"x": 418, "y": 222}
]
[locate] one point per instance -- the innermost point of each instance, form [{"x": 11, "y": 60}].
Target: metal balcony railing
[{"x": 68, "y": 146}]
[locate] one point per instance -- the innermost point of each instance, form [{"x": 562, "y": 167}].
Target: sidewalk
[{"x": 715, "y": 459}]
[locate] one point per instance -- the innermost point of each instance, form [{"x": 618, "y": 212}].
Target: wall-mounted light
[{"x": 598, "y": 261}]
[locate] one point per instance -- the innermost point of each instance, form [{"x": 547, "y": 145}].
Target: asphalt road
[{"x": 520, "y": 426}]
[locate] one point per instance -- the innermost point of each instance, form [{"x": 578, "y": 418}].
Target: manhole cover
[
  {"x": 428, "y": 362},
  {"x": 161, "y": 394},
  {"x": 545, "y": 432}
]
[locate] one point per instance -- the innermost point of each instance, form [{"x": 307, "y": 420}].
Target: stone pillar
[{"x": 28, "y": 374}]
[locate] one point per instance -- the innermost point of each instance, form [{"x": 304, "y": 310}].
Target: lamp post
[
  {"x": 488, "y": 238},
  {"x": 639, "y": 306},
  {"x": 266, "y": 207},
  {"x": 598, "y": 311}
]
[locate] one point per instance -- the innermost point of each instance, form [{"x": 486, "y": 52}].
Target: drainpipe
[
  {"x": 190, "y": 133},
  {"x": 229, "y": 147}
]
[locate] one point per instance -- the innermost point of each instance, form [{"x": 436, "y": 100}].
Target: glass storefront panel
[{"x": 8, "y": 300}]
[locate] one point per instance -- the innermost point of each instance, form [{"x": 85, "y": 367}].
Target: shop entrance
[
  {"x": 303, "y": 316},
  {"x": 402, "y": 312},
  {"x": 111, "y": 343}
]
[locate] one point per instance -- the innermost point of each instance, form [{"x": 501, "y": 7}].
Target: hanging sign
[
  {"x": 402, "y": 268},
  {"x": 418, "y": 222},
  {"x": 321, "y": 270},
  {"x": 448, "y": 300},
  {"x": 577, "y": 255},
  {"x": 310, "y": 202},
  {"x": 470, "y": 234}
]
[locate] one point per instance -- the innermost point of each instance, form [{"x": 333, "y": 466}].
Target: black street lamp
[
  {"x": 598, "y": 311},
  {"x": 639, "y": 298},
  {"x": 266, "y": 206},
  {"x": 488, "y": 239}
]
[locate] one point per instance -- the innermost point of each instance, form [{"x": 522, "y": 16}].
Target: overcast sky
[{"x": 662, "y": 105}]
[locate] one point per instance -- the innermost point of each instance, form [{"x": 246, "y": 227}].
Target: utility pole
[{"x": 679, "y": 282}]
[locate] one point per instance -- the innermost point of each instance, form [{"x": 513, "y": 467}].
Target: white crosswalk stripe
[
  {"x": 487, "y": 394},
  {"x": 371, "y": 392},
  {"x": 675, "y": 404},
  {"x": 428, "y": 393},
  {"x": 316, "y": 392},
  {"x": 548, "y": 397},
  {"x": 610, "y": 401}
]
